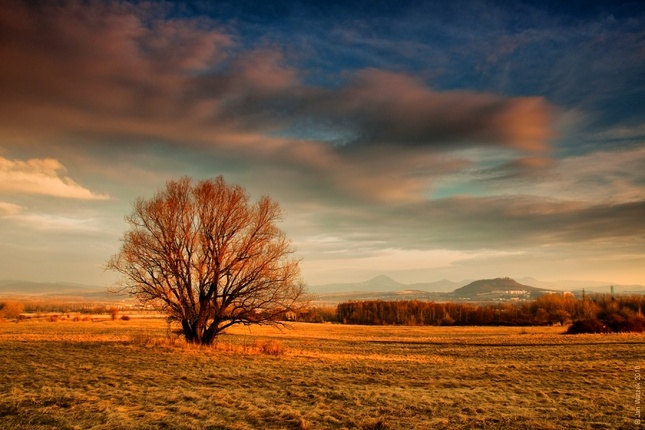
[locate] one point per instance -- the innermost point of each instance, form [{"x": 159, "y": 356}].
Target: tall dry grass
[{"x": 135, "y": 375}]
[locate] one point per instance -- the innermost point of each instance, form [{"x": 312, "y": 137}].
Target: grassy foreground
[{"x": 129, "y": 375}]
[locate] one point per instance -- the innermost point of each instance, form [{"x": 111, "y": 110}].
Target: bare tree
[{"x": 209, "y": 257}]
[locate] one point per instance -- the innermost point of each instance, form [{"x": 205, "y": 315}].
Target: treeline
[
  {"x": 605, "y": 313},
  {"x": 36, "y": 307},
  {"x": 12, "y": 309},
  {"x": 316, "y": 314}
]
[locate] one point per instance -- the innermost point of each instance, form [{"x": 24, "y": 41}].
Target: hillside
[
  {"x": 385, "y": 284},
  {"x": 62, "y": 290},
  {"x": 497, "y": 286}
]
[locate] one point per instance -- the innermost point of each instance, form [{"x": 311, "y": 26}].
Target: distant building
[{"x": 511, "y": 292}]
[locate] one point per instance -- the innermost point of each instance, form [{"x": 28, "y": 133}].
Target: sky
[{"x": 420, "y": 140}]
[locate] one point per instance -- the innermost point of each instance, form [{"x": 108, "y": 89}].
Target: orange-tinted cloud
[
  {"x": 41, "y": 176},
  {"x": 8, "y": 209},
  {"x": 126, "y": 64},
  {"x": 397, "y": 109},
  {"x": 114, "y": 67},
  {"x": 106, "y": 72}
]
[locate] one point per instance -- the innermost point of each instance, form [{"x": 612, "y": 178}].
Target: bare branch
[{"x": 209, "y": 257}]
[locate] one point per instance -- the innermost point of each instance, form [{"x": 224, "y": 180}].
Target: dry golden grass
[{"x": 132, "y": 375}]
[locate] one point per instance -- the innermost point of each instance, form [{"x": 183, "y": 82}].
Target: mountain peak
[
  {"x": 487, "y": 286},
  {"x": 382, "y": 280}
]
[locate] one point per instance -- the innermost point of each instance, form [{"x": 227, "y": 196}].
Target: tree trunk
[
  {"x": 196, "y": 333},
  {"x": 192, "y": 331},
  {"x": 209, "y": 336}
]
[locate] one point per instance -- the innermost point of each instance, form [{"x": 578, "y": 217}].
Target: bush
[
  {"x": 447, "y": 320},
  {"x": 634, "y": 323},
  {"x": 591, "y": 325},
  {"x": 125, "y": 318},
  {"x": 11, "y": 310}
]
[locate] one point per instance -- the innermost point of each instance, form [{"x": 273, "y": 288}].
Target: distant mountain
[
  {"x": 54, "y": 289},
  {"x": 443, "y": 286},
  {"x": 561, "y": 285},
  {"x": 382, "y": 283},
  {"x": 582, "y": 284},
  {"x": 493, "y": 286},
  {"x": 379, "y": 284},
  {"x": 589, "y": 286},
  {"x": 618, "y": 289},
  {"x": 332, "y": 299},
  {"x": 385, "y": 284}
]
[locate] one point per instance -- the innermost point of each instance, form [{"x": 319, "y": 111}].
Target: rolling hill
[
  {"x": 25, "y": 289},
  {"x": 385, "y": 284},
  {"x": 500, "y": 286}
]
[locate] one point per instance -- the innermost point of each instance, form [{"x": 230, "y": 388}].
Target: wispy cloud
[
  {"x": 41, "y": 176},
  {"x": 9, "y": 209},
  {"x": 609, "y": 177},
  {"x": 40, "y": 221}
]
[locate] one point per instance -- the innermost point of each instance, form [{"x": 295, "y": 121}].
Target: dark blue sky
[{"x": 580, "y": 55}]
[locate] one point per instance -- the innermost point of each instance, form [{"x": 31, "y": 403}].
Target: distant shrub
[
  {"x": 591, "y": 325},
  {"x": 561, "y": 316},
  {"x": 637, "y": 324},
  {"x": 11, "y": 310},
  {"x": 271, "y": 347},
  {"x": 53, "y": 318},
  {"x": 447, "y": 320},
  {"x": 114, "y": 312},
  {"x": 125, "y": 318},
  {"x": 317, "y": 314},
  {"x": 634, "y": 323}
]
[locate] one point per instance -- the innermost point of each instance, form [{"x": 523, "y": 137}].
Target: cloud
[
  {"x": 397, "y": 262},
  {"x": 552, "y": 210},
  {"x": 106, "y": 72},
  {"x": 76, "y": 67},
  {"x": 58, "y": 222},
  {"x": 390, "y": 108},
  {"x": 505, "y": 223},
  {"x": 447, "y": 232},
  {"x": 601, "y": 177},
  {"x": 9, "y": 209},
  {"x": 520, "y": 169},
  {"x": 41, "y": 176}
]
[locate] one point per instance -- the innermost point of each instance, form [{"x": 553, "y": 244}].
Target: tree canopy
[{"x": 209, "y": 257}]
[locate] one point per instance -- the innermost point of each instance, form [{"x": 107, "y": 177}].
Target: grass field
[{"x": 131, "y": 375}]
